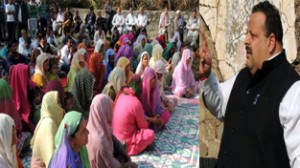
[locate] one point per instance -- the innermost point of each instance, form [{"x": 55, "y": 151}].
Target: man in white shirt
[
  {"x": 23, "y": 36},
  {"x": 142, "y": 21},
  {"x": 193, "y": 26},
  {"x": 60, "y": 18},
  {"x": 10, "y": 18},
  {"x": 66, "y": 56},
  {"x": 118, "y": 21},
  {"x": 260, "y": 105},
  {"x": 130, "y": 20},
  {"x": 26, "y": 48},
  {"x": 164, "y": 22}
]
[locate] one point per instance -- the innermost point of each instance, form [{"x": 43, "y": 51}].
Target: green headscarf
[
  {"x": 72, "y": 119},
  {"x": 166, "y": 53},
  {"x": 136, "y": 84},
  {"x": 5, "y": 90}
]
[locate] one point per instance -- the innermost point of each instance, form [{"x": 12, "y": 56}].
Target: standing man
[
  {"x": 2, "y": 22},
  {"x": 260, "y": 105},
  {"x": 179, "y": 24},
  {"x": 164, "y": 23},
  {"x": 21, "y": 16},
  {"x": 44, "y": 14},
  {"x": 33, "y": 18},
  {"x": 10, "y": 18}
]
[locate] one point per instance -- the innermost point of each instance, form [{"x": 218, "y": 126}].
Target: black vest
[{"x": 253, "y": 135}]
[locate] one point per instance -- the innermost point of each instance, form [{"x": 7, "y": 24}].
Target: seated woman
[
  {"x": 8, "y": 140},
  {"x": 166, "y": 103},
  {"x": 20, "y": 82},
  {"x": 82, "y": 91},
  {"x": 155, "y": 115},
  {"x": 125, "y": 64},
  {"x": 96, "y": 67},
  {"x": 40, "y": 75},
  {"x": 42, "y": 142},
  {"x": 116, "y": 80},
  {"x": 102, "y": 144},
  {"x": 70, "y": 141},
  {"x": 8, "y": 106},
  {"x": 129, "y": 123},
  {"x": 78, "y": 63},
  {"x": 169, "y": 51},
  {"x": 183, "y": 81},
  {"x": 144, "y": 63},
  {"x": 109, "y": 62}
]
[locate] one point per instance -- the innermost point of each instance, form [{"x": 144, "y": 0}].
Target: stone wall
[
  {"x": 153, "y": 18},
  {"x": 227, "y": 21},
  {"x": 226, "y": 25}
]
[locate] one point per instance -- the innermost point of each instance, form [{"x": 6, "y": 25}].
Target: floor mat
[{"x": 178, "y": 144}]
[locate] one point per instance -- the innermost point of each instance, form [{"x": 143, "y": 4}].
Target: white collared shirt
[
  {"x": 142, "y": 19},
  {"x": 10, "y": 8},
  {"x": 24, "y": 51},
  {"x": 118, "y": 20},
  {"x": 130, "y": 20},
  {"x": 217, "y": 95},
  {"x": 65, "y": 55}
]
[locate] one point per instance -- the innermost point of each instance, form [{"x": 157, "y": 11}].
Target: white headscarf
[
  {"x": 7, "y": 154},
  {"x": 157, "y": 53},
  {"x": 160, "y": 67},
  {"x": 139, "y": 69},
  {"x": 116, "y": 79},
  {"x": 39, "y": 66}
]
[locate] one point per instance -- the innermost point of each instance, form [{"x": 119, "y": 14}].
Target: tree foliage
[{"x": 126, "y": 4}]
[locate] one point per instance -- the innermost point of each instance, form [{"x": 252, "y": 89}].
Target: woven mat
[{"x": 177, "y": 145}]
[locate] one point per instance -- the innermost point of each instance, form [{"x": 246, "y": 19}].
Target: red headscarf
[{"x": 19, "y": 82}]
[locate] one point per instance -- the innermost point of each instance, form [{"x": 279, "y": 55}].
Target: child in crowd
[
  {"x": 53, "y": 70},
  {"x": 68, "y": 100}
]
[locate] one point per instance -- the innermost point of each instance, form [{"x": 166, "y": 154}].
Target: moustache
[{"x": 248, "y": 50}]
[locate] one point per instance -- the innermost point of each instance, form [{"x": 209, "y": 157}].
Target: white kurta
[
  {"x": 118, "y": 21},
  {"x": 142, "y": 20},
  {"x": 130, "y": 21}
]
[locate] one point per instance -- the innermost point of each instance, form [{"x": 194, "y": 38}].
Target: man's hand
[{"x": 205, "y": 58}]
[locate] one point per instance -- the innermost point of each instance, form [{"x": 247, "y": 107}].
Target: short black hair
[
  {"x": 41, "y": 35},
  {"x": 273, "y": 21},
  {"x": 28, "y": 40}
]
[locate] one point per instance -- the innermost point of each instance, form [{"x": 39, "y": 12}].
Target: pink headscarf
[
  {"x": 99, "y": 126},
  {"x": 150, "y": 97},
  {"x": 19, "y": 81},
  {"x": 183, "y": 76},
  {"x": 8, "y": 106}
]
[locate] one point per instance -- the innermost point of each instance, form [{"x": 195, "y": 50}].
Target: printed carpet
[{"x": 177, "y": 145}]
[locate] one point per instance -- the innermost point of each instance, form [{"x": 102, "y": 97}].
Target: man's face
[
  {"x": 14, "y": 48},
  {"x": 256, "y": 43},
  {"x": 70, "y": 43},
  {"x": 27, "y": 45},
  {"x": 44, "y": 41}
]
